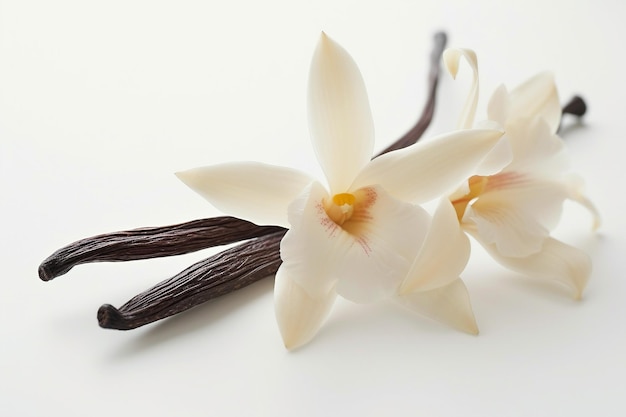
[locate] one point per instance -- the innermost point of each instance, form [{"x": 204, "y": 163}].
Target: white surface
[{"x": 101, "y": 101}]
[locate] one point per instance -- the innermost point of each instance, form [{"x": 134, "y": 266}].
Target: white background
[{"x": 102, "y": 101}]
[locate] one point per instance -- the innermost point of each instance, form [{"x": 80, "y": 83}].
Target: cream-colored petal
[
  {"x": 537, "y": 96},
  {"x": 498, "y": 106},
  {"x": 443, "y": 255},
  {"x": 427, "y": 170},
  {"x": 556, "y": 261},
  {"x": 386, "y": 237},
  {"x": 449, "y": 304},
  {"x": 365, "y": 258},
  {"x": 340, "y": 119},
  {"x": 576, "y": 193},
  {"x": 257, "y": 192},
  {"x": 452, "y": 58},
  {"x": 299, "y": 315},
  {"x": 536, "y": 150},
  {"x": 517, "y": 213}
]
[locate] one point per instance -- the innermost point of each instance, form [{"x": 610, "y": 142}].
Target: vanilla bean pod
[
  {"x": 213, "y": 277},
  {"x": 199, "y": 284},
  {"x": 152, "y": 242},
  {"x": 576, "y": 107}
]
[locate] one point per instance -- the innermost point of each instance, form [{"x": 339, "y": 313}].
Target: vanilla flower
[
  {"x": 512, "y": 210},
  {"x": 361, "y": 236}
]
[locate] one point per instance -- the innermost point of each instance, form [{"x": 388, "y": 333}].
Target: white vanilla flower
[
  {"x": 512, "y": 209},
  {"x": 360, "y": 237}
]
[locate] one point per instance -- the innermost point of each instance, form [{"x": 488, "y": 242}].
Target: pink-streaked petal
[
  {"x": 385, "y": 243},
  {"x": 537, "y": 96},
  {"x": 449, "y": 304},
  {"x": 365, "y": 259},
  {"x": 517, "y": 213},
  {"x": 430, "y": 169},
  {"x": 299, "y": 315},
  {"x": 452, "y": 58},
  {"x": 556, "y": 261},
  {"x": 253, "y": 191},
  {"x": 340, "y": 119},
  {"x": 443, "y": 255}
]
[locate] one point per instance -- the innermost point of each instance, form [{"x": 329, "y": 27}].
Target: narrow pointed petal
[
  {"x": 365, "y": 259},
  {"x": 452, "y": 59},
  {"x": 253, "y": 191},
  {"x": 427, "y": 170},
  {"x": 299, "y": 315},
  {"x": 556, "y": 261},
  {"x": 443, "y": 255},
  {"x": 340, "y": 119},
  {"x": 537, "y": 97},
  {"x": 576, "y": 193},
  {"x": 449, "y": 304}
]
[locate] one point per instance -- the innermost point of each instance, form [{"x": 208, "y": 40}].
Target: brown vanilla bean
[
  {"x": 576, "y": 107},
  {"x": 220, "y": 274},
  {"x": 151, "y": 243},
  {"x": 416, "y": 132},
  {"x": 208, "y": 279}
]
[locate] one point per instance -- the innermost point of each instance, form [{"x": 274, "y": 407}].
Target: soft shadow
[{"x": 192, "y": 320}]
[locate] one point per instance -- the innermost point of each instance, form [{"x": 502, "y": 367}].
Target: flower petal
[
  {"x": 576, "y": 194},
  {"x": 443, "y": 255},
  {"x": 253, "y": 191},
  {"x": 427, "y": 170},
  {"x": 498, "y": 106},
  {"x": 516, "y": 213},
  {"x": 452, "y": 58},
  {"x": 556, "y": 261},
  {"x": 299, "y": 315},
  {"x": 537, "y": 97},
  {"x": 340, "y": 119},
  {"x": 449, "y": 304},
  {"x": 365, "y": 259}
]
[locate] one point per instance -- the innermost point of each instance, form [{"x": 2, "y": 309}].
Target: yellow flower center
[
  {"x": 340, "y": 208},
  {"x": 477, "y": 184}
]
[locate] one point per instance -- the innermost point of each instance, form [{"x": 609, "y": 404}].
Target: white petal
[
  {"x": 537, "y": 97},
  {"x": 516, "y": 213},
  {"x": 365, "y": 259},
  {"x": 576, "y": 194},
  {"x": 443, "y": 255},
  {"x": 340, "y": 119},
  {"x": 427, "y": 170},
  {"x": 257, "y": 192},
  {"x": 556, "y": 261},
  {"x": 452, "y": 58},
  {"x": 449, "y": 305},
  {"x": 536, "y": 150},
  {"x": 299, "y": 315},
  {"x": 498, "y": 107}
]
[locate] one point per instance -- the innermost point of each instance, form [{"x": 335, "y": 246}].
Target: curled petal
[
  {"x": 340, "y": 119},
  {"x": 257, "y": 192},
  {"x": 452, "y": 58},
  {"x": 299, "y": 315},
  {"x": 537, "y": 97},
  {"x": 576, "y": 194},
  {"x": 427, "y": 170},
  {"x": 449, "y": 304},
  {"x": 443, "y": 255},
  {"x": 556, "y": 261},
  {"x": 365, "y": 258}
]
